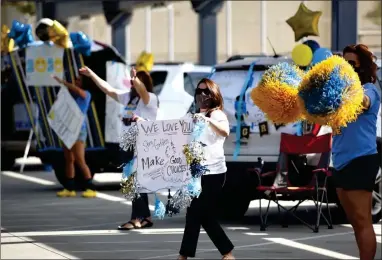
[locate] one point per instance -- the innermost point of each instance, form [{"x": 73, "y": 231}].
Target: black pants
[
  {"x": 202, "y": 212},
  {"x": 140, "y": 207}
]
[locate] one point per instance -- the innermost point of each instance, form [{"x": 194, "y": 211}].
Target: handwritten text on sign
[{"x": 161, "y": 163}]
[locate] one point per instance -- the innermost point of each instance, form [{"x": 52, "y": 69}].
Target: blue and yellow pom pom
[
  {"x": 277, "y": 93},
  {"x": 331, "y": 93}
]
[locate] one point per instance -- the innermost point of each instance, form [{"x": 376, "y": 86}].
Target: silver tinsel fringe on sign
[{"x": 129, "y": 138}]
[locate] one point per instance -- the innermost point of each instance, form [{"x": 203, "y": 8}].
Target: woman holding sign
[
  {"x": 76, "y": 154},
  {"x": 202, "y": 211},
  {"x": 140, "y": 104}
]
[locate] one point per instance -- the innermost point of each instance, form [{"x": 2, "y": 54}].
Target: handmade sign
[
  {"x": 41, "y": 63},
  {"x": 116, "y": 75},
  {"x": 161, "y": 162},
  {"x": 66, "y": 118},
  {"x": 20, "y": 116}
]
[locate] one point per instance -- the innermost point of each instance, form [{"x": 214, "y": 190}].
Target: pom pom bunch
[
  {"x": 276, "y": 93},
  {"x": 330, "y": 93}
]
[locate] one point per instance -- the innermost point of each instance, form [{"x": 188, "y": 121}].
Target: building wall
[{"x": 245, "y": 28}]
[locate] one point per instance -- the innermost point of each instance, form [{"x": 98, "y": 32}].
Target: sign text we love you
[{"x": 161, "y": 163}]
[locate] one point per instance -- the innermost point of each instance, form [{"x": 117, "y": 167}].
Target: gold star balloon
[
  {"x": 7, "y": 44},
  {"x": 305, "y": 22}
]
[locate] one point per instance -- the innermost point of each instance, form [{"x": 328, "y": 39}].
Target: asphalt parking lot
[{"x": 38, "y": 225}]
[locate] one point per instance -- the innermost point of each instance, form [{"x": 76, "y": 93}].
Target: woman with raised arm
[
  {"x": 140, "y": 104},
  {"x": 355, "y": 156},
  {"x": 202, "y": 211},
  {"x": 76, "y": 154}
]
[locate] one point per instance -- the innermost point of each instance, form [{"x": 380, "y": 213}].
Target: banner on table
[
  {"x": 42, "y": 62},
  {"x": 116, "y": 75},
  {"x": 161, "y": 163},
  {"x": 66, "y": 118}
]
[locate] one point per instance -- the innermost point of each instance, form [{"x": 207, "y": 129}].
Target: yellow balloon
[
  {"x": 59, "y": 35},
  {"x": 145, "y": 61},
  {"x": 302, "y": 55}
]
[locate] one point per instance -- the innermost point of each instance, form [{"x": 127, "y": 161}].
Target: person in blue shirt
[
  {"x": 76, "y": 154},
  {"x": 355, "y": 157}
]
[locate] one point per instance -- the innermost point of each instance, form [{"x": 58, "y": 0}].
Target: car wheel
[{"x": 377, "y": 201}]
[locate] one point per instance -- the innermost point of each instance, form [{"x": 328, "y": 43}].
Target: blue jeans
[{"x": 83, "y": 135}]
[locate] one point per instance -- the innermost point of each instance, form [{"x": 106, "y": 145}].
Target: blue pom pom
[
  {"x": 323, "y": 98},
  {"x": 128, "y": 169},
  {"x": 285, "y": 73},
  {"x": 199, "y": 127},
  {"x": 197, "y": 170},
  {"x": 160, "y": 209},
  {"x": 194, "y": 187}
]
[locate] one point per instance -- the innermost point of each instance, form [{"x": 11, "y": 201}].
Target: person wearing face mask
[
  {"x": 355, "y": 158},
  {"x": 202, "y": 211},
  {"x": 140, "y": 104}
]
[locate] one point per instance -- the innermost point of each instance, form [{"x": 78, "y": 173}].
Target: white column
[
  {"x": 263, "y": 26},
  {"x": 128, "y": 46},
  {"x": 148, "y": 29},
  {"x": 228, "y": 19},
  {"x": 171, "y": 40}
]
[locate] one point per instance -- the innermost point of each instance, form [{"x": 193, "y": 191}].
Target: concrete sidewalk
[{"x": 13, "y": 247}]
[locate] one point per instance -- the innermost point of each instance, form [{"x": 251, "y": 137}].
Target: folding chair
[{"x": 291, "y": 147}]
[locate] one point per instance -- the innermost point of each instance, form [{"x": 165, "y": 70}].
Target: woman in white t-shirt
[
  {"x": 202, "y": 211},
  {"x": 140, "y": 104}
]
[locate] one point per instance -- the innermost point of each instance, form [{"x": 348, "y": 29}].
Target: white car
[
  {"x": 175, "y": 85},
  {"x": 241, "y": 76}
]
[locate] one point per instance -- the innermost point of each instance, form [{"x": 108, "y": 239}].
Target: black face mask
[{"x": 203, "y": 98}]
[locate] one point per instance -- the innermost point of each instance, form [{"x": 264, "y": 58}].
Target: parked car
[{"x": 243, "y": 74}]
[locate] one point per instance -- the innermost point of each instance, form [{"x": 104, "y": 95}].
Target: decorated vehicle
[
  {"x": 252, "y": 136},
  {"x": 28, "y": 90}
]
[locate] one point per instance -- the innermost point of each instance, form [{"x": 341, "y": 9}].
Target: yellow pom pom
[
  {"x": 277, "y": 93},
  {"x": 331, "y": 93}
]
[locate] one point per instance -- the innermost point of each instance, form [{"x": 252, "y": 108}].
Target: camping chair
[{"x": 291, "y": 148}]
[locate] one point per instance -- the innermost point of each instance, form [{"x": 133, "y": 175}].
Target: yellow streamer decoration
[{"x": 7, "y": 44}]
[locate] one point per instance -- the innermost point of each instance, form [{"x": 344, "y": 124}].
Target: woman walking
[
  {"x": 76, "y": 154},
  {"x": 140, "y": 104},
  {"x": 202, "y": 211},
  {"x": 355, "y": 156}
]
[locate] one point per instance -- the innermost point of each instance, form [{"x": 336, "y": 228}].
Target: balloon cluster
[
  {"x": 309, "y": 53},
  {"x": 47, "y": 30},
  {"x": 330, "y": 93}
]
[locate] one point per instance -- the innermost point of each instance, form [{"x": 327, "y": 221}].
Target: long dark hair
[
  {"x": 368, "y": 68},
  {"x": 216, "y": 96},
  {"x": 146, "y": 79}
]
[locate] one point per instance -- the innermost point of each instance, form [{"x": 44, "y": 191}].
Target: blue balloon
[
  {"x": 81, "y": 43},
  {"x": 21, "y": 34},
  {"x": 320, "y": 55},
  {"x": 313, "y": 45}
]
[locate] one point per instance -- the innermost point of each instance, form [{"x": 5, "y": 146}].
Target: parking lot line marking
[
  {"x": 313, "y": 249},
  {"x": 377, "y": 228},
  {"x": 28, "y": 178},
  {"x": 99, "y": 195},
  {"x": 69, "y": 233},
  {"x": 257, "y": 244},
  {"x": 255, "y": 234},
  {"x": 27, "y": 243}
]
